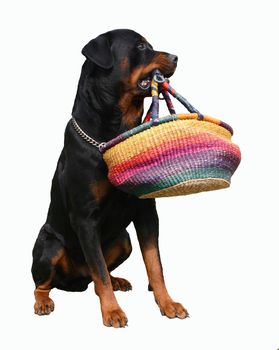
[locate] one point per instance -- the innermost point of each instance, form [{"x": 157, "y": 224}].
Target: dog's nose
[{"x": 173, "y": 58}]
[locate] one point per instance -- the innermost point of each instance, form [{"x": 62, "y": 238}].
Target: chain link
[{"x": 86, "y": 137}]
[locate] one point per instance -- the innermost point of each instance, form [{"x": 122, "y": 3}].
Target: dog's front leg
[
  {"x": 87, "y": 231},
  {"x": 147, "y": 227}
]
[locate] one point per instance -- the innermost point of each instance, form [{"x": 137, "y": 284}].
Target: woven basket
[{"x": 179, "y": 155}]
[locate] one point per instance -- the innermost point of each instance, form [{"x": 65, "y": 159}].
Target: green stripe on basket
[{"x": 173, "y": 180}]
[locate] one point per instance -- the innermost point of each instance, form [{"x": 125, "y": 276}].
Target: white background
[{"x": 219, "y": 249}]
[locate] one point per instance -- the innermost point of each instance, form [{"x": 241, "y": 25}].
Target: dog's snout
[{"x": 173, "y": 58}]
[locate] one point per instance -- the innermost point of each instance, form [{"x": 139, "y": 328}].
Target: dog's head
[{"x": 122, "y": 62}]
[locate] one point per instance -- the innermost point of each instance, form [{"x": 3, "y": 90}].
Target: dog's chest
[{"x": 117, "y": 211}]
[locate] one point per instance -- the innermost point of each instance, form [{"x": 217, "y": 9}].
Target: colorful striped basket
[{"x": 175, "y": 155}]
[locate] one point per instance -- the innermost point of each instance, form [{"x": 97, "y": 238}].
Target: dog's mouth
[{"x": 144, "y": 83}]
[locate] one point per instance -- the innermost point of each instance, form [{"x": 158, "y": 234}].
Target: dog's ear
[{"x": 98, "y": 51}]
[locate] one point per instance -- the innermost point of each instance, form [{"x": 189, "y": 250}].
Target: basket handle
[
  {"x": 159, "y": 79},
  {"x": 166, "y": 97},
  {"x": 154, "y": 109}
]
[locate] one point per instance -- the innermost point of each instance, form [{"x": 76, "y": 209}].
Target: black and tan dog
[{"x": 84, "y": 237}]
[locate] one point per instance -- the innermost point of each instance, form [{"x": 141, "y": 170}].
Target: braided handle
[
  {"x": 155, "y": 102},
  {"x": 168, "y": 102},
  {"x": 153, "y": 112},
  {"x": 166, "y": 86}
]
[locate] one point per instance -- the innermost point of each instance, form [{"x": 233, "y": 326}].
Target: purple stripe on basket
[
  {"x": 162, "y": 152},
  {"x": 198, "y": 159},
  {"x": 188, "y": 144},
  {"x": 152, "y": 177},
  {"x": 226, "y": 126}
]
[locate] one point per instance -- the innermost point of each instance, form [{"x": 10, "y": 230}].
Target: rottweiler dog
[{"x": 84, "y": 237}]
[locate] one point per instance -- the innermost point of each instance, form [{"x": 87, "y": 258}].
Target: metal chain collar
[{"x": 86, "y": 137}]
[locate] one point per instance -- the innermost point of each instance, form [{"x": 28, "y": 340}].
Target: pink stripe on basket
[
  {"x": 205, "y": 159},
  {"x": 166, "y": 150},
  {"x": 156, "y": 157},
  {"x": 181, "y": 162},
  {"x": 164, "y": 146}
]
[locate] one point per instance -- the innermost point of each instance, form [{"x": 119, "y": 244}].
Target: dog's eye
[{"x": 141, "y": 46}]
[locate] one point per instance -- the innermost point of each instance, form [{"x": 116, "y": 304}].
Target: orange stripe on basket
[{"x": 187, "y": 116}]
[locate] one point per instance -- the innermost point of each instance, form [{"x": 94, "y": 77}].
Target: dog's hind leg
[
  {"x": 47, "y": 251},
  {"x": 115, "y": 254}
]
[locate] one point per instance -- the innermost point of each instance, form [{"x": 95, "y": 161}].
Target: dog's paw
[
  {"x": 115, "y": 318},
  {"x": 172, "y": 309},
  {"x": 120, "y": 284},
  {"x": 44, "y": 306}
]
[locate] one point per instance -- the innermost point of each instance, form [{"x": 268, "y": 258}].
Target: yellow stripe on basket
[{"x": 159, "y": 134}]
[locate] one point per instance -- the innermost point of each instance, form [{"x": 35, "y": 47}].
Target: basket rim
[
  {"x": 169, "y": 118},
  {"x": 216, "y": 183}
]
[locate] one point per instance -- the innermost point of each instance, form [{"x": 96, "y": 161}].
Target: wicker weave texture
[
  {"x": 174, "y": 158},
  {"x": 189, "y": 187}
]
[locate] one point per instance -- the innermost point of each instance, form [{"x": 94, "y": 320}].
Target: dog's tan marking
[
  {"x": 113, "y": 315},
  {"x": 160, "y": 61},
  {"x": 132, "y": 109},
  {"x": 43, "y": 304},
  {"x": 100, "y": 189},
  {"x": 61, "y": 259},
  {"x": 124, "y": 65},
  {"x": 153, "y": 266}
]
